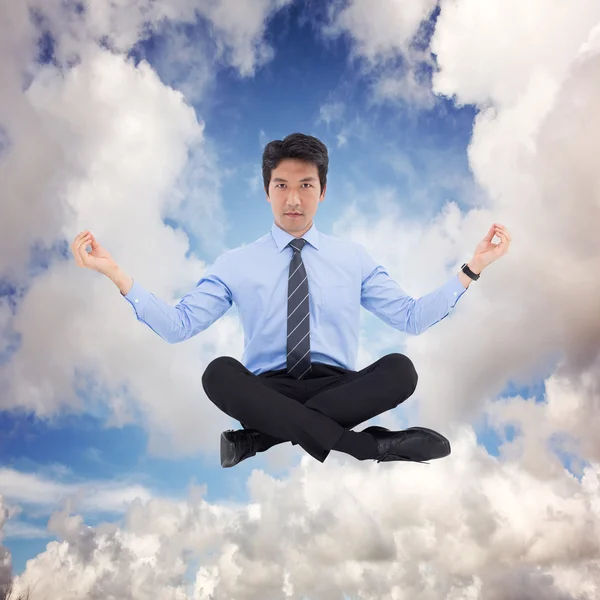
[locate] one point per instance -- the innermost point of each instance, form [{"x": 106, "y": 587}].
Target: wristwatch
[{"x": 467, "y": 271}]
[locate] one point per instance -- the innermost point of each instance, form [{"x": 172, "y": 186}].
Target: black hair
[{"x": 299, "y": 146}]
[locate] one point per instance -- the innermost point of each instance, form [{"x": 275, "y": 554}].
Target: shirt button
[{"x": 136, "y": 300}]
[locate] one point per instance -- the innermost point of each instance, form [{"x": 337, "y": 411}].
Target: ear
[
  {"x": 267, "y": 195},
  {"x": 323, "y": 193}
]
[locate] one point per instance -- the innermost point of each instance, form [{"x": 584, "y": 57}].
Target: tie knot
[{"x": 298, "y": 244}]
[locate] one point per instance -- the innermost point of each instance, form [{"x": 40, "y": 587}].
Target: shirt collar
[{"x": 283, "y": 238}]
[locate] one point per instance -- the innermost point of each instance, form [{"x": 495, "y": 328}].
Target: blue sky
[
  {"x": 307, "y": 72},
  {"x": 419, "y": 153}
]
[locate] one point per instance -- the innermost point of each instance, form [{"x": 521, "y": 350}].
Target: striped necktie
[{"x": 298, "y": 320}]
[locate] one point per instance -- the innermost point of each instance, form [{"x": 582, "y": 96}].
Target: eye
[
  {"x": 308, "y": 184},
  {"x": 279, "y": 184}
]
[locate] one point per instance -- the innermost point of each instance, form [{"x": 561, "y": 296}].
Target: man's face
[{"x": 295, "y": 188}]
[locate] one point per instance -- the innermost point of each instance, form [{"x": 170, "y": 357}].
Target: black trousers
[{"x": 313, "y": 411}]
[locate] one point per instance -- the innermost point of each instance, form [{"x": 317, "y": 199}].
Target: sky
[{"x": 145, "y": 122}]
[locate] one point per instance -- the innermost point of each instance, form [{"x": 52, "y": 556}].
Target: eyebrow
[{"x": 281, "y": 180}]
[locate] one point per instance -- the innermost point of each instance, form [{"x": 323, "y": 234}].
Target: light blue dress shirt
[{"x": 342, "y": 276}]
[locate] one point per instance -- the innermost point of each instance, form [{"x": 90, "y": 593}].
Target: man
[{"x": 299, "y": 292}]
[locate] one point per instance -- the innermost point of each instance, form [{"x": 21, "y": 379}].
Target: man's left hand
[{"x": 486, "y": 252}]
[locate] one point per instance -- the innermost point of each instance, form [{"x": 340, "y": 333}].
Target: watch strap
[{"x": 468, "y": 272}]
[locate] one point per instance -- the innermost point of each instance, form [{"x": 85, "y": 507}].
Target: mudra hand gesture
[
  {"x": 486, "y": 252},
  {"x": 99, "y": 259}
]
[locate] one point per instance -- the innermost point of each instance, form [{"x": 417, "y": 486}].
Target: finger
[
  {"x": 504, "y": 237},
  {"x": 78, "y": 238},
  {"x": 78, "y": 257},
  {"x": 75, "y": 241},
  {"x": 503, "y": 245},
  {"x": 78, "y": 261},
  {"x": 82, "y": 251},
  {"x": 504, "y": 230},
  {"x": 490, "y": 234}
]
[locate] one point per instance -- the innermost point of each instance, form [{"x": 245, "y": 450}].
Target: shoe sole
[{"x": 227, "y": 451}]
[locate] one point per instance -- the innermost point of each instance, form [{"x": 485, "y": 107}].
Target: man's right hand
[{"x": 99, "y": 259}]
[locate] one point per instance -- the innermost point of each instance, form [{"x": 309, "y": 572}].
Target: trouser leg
[
  {"x": 253, "y": 401},
  {"x": 354, "y": 397}
]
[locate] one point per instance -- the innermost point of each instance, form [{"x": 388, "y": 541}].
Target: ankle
[{"x": 358, "y": 444}]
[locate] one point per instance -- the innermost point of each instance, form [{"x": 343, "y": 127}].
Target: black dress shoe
[
  {"x": 417, "y": 444},
  {"x": 238, "y": 445}
]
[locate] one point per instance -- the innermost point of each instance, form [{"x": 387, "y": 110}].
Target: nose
[{"x": 293, "y": 197}]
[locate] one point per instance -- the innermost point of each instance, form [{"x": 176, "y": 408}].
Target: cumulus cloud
[
  {"x": 43, "y": 492},
  {"x": 519, "y": 525},
  {"x": 379, "y": 32},
  {"x": 123, "y": 138},
  {"x": 471, "y": 526},
  {"x": 534, "y": 315},
  {"x": 534, "y": 158},
  {"x": 94, "y": 140},
  {"x": 388, "y": 39},
  {"x": 5, "y": 557}
]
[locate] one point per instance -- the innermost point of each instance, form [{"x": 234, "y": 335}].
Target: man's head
[{"x": 295, "y": 179}]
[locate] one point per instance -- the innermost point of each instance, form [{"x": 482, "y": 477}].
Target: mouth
[{"x": 293, "y": 215}]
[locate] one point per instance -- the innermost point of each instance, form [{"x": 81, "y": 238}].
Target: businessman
[{"x": 299, "y": 292}]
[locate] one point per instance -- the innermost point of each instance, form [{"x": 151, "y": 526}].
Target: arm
[
  {"x": 194, "y": 313},
  {"x": 121, "y": 280},
  {"x": 474, "y": 265},
  {"x": 382, "y": 296}
]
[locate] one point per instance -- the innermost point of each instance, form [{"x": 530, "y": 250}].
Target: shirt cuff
[
  {"x": 453, "y": 290},
  {"x": 138, "y": 297}
]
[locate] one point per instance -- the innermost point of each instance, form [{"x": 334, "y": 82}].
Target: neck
[{"x": 296, "y": 234}]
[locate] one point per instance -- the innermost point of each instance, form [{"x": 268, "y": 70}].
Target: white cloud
[
  {"x": 534, "y": 158},
  {"x": 340, "y": 124},
  {"x": 380, "y": 31},
  {"x": 470, "y": 526},
  {"x": 408, "y": 88},
  {"x": 101, "y": 143},
  {"x": 331, "y": 112},
  {"x": 386, "y": 38},
  {"x": 534, "y": 314},
  {"x": 5, "y": 557},
  {"x": 488, "y": 55},
  {"x": 242, "y": 27},
  {"x": 45, "y": 493},
  {"x": 123, "y": 141},
  {"x": 23, "y": 531}
]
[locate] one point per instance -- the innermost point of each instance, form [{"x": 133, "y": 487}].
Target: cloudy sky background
[{"x": 145, "y": 122}]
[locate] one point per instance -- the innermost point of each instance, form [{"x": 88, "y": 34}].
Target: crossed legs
[{"x": 312, "y": 413}]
